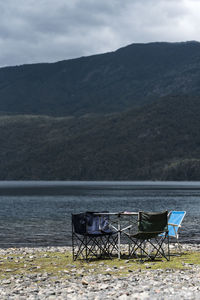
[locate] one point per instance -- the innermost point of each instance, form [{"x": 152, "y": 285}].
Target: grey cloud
[{"x": 48, "y": 30}]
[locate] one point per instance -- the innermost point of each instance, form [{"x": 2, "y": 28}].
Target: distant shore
[{"x": 37, "y": 187}]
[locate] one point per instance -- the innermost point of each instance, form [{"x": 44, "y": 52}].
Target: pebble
[{"x": 137, "y": 284}]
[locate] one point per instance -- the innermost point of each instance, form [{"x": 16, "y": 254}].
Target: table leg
[{"x": 119, "y": 237}]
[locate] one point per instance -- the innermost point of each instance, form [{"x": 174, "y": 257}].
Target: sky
[{"x": 34, "y": 31}]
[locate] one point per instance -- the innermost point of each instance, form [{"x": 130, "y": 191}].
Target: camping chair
[
  {"x": 148, "y": 239},
  {"x": 92, "y": 236},
  {"x": 174, "y": 223}
]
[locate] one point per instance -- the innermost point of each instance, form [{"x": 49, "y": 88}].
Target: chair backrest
[
  {"x": 153, "y": 222},
  {"x": 79, "y": 223},
  {"x": 176, "y": 218},
  {"x": 97, "y": 223},
  {"x": 90, "y": 223}
]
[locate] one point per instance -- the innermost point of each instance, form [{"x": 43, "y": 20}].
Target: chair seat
[
  {"x": 145, "y": 235},
  {"x": 99, "y": 233}
]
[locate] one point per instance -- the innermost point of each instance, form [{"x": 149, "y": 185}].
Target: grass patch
[{"x": 61, "y": 264}]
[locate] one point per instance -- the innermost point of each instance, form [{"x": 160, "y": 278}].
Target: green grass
[{"x": 61, "y": 264}]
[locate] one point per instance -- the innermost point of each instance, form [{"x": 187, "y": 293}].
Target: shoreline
[
  {"x": 50, "y": 273},
  {"x": 30, "y": 249}
]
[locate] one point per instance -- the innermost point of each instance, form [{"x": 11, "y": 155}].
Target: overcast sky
[{"x": 51, "y": 30}]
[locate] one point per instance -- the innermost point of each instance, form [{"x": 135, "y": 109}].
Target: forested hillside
[{"x": 158, "y": 141}]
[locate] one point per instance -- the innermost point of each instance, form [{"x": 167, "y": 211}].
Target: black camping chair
[
  {"x": 149, "y": 240},
  {"x": 92, "y": 236}
]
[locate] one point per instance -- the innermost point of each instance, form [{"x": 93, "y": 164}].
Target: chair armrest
[
  {"x": 174, "y": 225},
  {"x": 114, "y": 227},
  {"x": 128, "y": 227},
  {"x": 123, "y": 229}
]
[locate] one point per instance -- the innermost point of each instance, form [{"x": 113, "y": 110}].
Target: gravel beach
[{"x": 75, "y": 282}]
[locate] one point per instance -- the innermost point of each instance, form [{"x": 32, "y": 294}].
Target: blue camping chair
[{"x": 174, "y": 223}]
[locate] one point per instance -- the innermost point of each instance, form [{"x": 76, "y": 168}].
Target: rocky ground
[{"x": 24, "y": 276}]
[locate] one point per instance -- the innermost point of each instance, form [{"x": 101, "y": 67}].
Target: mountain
[
  {"x": 158, "y": 141},
  {"x": 106, "y": 83}
]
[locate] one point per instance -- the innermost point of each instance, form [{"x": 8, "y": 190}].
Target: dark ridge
[{"x": 105, "y": 83}]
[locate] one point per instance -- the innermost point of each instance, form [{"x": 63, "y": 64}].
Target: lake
[{"x": 38, "y": 213}]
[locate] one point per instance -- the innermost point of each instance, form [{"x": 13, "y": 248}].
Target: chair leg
[
  {"x": 73, "y": 246},
  {"x": 86, "y": 250},
  {"x": 168, "y": 246},
  {"x": 179, "y": 247},
  {"x": 159, "y": 248},
  {"x": 88, "y": 247}
]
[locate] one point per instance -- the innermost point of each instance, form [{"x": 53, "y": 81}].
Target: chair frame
[
  {"x": 155, "y": 240},
  {"x": 95, "y": 245},
  {"x": 176, "y": 234}
]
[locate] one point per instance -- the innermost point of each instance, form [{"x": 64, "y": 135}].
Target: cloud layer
[{"x": 48, "y": 30}]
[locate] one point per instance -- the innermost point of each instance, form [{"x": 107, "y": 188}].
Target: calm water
[{"x": 39, "y": 213}]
